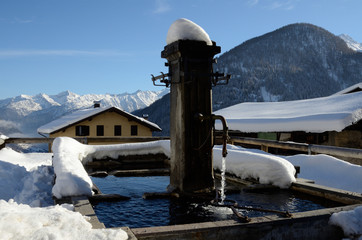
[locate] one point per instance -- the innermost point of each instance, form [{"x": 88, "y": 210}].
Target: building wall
[
  {"x": 108, "y": 120},
  {"x": 346, "y": 138}
]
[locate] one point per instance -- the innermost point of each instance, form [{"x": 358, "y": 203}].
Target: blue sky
[{"x": 112, "y": 46}]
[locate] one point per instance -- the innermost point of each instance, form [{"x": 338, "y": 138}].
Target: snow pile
[
  {"x": 37, "y": 186},
  {"x": 329, "y": 171},
  {"x": 27, "y": 160},
  {"x": 18, "y": 221},
  {"x": 10, "y": 183},
  {"x": 70, "y": 155},
  {"x": 268, "y": 169},
  {"x": 26, "y": 178},
  {"x": 184, "y": 29},
  {"x": 25, "y": 185},
  {"x": 332, "y": 113},
  {"x": 349, "y": 221},
  {"x": 71, "y": 177}
]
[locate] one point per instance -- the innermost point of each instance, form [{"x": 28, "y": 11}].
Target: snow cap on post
[{"x": 184, "y": 29}]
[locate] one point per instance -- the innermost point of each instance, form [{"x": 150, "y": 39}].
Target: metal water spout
[{"x": 225, "y": 134}]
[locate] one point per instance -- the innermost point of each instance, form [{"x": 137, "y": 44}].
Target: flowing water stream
[{"x": 223, "y": 183}]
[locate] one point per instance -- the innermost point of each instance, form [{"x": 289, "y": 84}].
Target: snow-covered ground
[
  {"x": 26, "y": 184},
  {"x": 26, "y": 204}
]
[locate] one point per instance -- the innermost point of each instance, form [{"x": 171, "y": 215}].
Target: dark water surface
[{"x": 138, "y": 212}]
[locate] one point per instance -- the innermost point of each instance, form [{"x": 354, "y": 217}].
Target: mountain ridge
[
  {"x": 25, "y": 113},
  {"x": 351, "y": 43}
]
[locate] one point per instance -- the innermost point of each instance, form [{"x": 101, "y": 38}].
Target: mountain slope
[
  {"x": 24, "y": 114},
  {"x": 298, "y": 61},
  {"x": 351, "y": 43}
]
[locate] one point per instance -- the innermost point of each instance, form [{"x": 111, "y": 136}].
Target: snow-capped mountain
[
  {"x": 351, "y": 43},
  {"x": 24, "y": 114}
]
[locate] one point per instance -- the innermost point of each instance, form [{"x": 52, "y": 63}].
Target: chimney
[
  {"x": 145, "y": 116},
  {"x": 97, "y": 104}
]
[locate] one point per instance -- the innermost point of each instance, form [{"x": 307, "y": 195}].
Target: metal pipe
[{"x": 225, "y": 135}]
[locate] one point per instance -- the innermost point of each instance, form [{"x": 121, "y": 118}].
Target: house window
[
  {"x": 134, "y": 130},
  {"x": 82, "y": 130},
  {"x": 117, "y": 130},
  {"x": 100, "y": 130}
]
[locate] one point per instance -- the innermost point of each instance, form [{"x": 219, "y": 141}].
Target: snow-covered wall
[
  {"x": 70, "y": 155},
  {"x": 71, "y": 177},
  {"x": 73, "y": 180}
]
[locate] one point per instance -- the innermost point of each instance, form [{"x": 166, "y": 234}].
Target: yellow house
[{"x": 99, "y": 122}]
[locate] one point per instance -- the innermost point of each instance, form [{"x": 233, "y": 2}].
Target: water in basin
[{"x": 138, "y": 212}]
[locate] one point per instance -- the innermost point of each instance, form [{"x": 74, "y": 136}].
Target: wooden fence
[
  {"x": 352, "y": 155},
  {"x": 85, "y": 140},
  {"x": 349, "y": 154}
]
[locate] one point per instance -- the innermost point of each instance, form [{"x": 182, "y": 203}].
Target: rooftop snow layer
[
  {"x": 184, "y": 29},
  {"x": 80, "y": 115},
  {"x": 333, "y": 113},
  {"x": 353, "y": 88}
]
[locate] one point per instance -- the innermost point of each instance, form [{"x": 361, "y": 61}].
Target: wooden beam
[
  {"x": 331, "y": 150},
  {"x": 87, "y": 139}
]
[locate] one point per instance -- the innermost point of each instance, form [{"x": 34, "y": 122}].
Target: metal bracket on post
[
  {"x": 220, "y": 78},
  {"x": 163, "y": 79}
]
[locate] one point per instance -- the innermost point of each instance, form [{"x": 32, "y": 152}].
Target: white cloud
[
  {"x": 253, "y": 2},
  {"x": 19, "y": 20},
  {"x": 22, "y": 53},
  {"x": 274, "y": 4},
  {"x": 162, "y": 6},
  {"x": 285, "y": 5}
]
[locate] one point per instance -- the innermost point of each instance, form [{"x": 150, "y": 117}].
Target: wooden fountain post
[{"x": 190, "y": 77}]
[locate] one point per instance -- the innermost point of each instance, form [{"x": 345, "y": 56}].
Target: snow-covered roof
[
  {"x": 75, "y": 117},
  {"x": 333, "y": 113},
  {"x": 184, "y": 29},
  {"x": 354, "y": 88}
]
